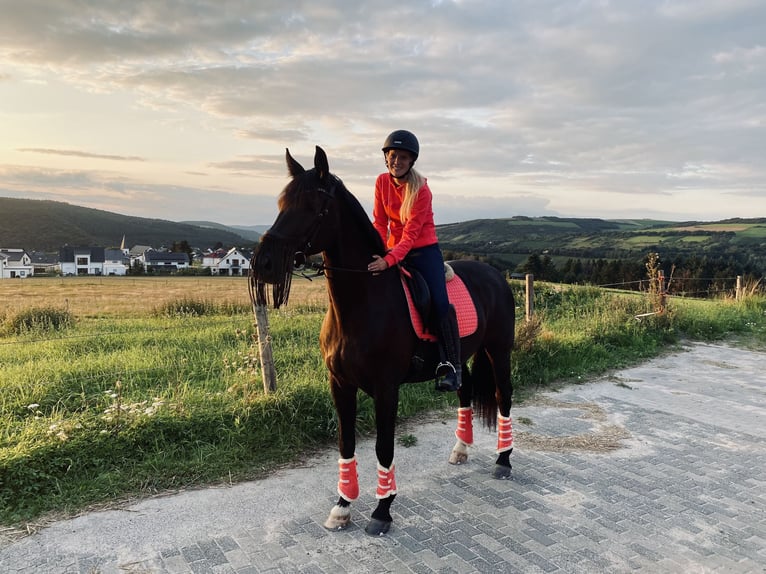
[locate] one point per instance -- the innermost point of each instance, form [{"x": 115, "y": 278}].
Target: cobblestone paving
[{"x": 684, "y": 493}]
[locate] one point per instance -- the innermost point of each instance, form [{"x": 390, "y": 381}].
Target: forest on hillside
[
  {"x": 36, "y": 225},
  {"x": 696, "y": 259}
]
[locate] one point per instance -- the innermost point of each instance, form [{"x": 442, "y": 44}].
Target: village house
[
  {"x": 137, "y": 251},
  {"x": 163, "y": 261},
  {"x": 44, "y": 263},
  {"x": 81, "y": 260},
  {"x": 116, "y": 262},
  {"x": 15, "y": 264},
  {"x": 232, "y": 262}
]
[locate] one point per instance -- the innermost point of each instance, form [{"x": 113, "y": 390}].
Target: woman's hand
[{"x": 378, "y": 264}]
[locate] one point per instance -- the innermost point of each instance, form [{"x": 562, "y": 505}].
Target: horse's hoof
[
  {"x": 377, "y": 527},
  {"x": 339, "y": 518},
  {"x": 458, "y": 457},
  {"x": 459, "y": 454},
  {"x": 502, "y": 472}
]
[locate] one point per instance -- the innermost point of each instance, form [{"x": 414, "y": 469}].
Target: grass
[{"x": 155, "y": 384}]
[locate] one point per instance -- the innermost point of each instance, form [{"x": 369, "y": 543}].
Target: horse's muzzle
[
  {"x": 273, "y": 260},
  {"x": 264, "y": 265}
]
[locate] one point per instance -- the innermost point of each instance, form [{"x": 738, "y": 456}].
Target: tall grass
[{"x": 125, "y": 404}]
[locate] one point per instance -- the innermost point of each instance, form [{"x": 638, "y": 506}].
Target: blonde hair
[{"x": 413, "y": 184}]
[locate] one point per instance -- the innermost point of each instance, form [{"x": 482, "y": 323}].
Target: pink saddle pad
[{"x": 458, "y": 294}]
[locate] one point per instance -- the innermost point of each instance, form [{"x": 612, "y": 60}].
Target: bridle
[{"x": 319, "y": 268}]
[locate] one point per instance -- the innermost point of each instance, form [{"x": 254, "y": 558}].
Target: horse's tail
[{"x": 483, "y": 395}]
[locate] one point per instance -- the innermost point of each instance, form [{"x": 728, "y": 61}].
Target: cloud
[
  {"x": 76, "y": 153},
  {"x": 113, "y": 192},
  {"x": 530, "y": 103}
]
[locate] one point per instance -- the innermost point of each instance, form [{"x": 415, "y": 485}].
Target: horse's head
[{"x": 299, "y": 230}]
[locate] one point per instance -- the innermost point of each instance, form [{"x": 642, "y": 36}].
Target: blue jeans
[{"x": 430, "y": 262}]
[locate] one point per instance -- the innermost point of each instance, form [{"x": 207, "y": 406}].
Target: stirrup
[{"x": 445, "y": 364}]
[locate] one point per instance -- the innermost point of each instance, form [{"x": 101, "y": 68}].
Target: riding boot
[{"x": 448, "y": 370}]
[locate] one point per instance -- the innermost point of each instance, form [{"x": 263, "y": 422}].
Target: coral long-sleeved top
[{"x": 418, "y": 231}]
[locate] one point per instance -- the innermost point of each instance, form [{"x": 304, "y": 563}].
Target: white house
[
  {"x": 15, "y": 263},
  {"x": 137, "y": 252},
  {"x": 232, "y": 262},
  {"x": 116, "y": 262},
  {"x": 81, "y": 260}
]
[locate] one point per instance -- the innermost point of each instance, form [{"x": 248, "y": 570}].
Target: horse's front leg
[
  {"x": 344, "y": 398},
  {"x": 386, "y": 403}
]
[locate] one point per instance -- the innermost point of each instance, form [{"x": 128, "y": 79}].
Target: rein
[{"x": 320, "y": 269}]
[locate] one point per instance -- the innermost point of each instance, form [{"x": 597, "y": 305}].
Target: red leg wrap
[
  {"x": 464, "y": 432},
  {"x": 348, "y": 481},
  {"x": 504, "y": 433},
  {"x": 386, "y": 482}
]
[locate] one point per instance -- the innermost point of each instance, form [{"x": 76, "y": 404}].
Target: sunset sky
[{"x": 183, "y": 110}]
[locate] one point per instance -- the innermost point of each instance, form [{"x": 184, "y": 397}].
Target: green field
[{"x": 154, "y": 385}]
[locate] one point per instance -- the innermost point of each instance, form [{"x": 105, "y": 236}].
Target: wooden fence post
[
  {"x": 268, "y": 372},
  {"x": 739, "y": 288},
  {"x": 530, "y": 293}
]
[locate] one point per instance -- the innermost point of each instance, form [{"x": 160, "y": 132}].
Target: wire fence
[{"x": 698, "y": 287}]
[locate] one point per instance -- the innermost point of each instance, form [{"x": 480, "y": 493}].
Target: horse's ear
[
  {"x": 293, "y": 166},
  {"x": 320, "y": 163}
]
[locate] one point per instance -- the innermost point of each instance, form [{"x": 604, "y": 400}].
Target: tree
[
  {"x": 136, "y": 268},
  {"x": 183, "y": 247}
]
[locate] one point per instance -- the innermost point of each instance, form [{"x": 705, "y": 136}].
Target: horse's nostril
[{"x": 263, "y": 261}]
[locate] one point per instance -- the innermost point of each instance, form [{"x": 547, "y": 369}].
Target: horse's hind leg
[
  {"x": 501, "y": 363},
  {"x": 464, "y": 430}
]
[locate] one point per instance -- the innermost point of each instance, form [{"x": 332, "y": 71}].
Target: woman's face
[{"x": 399, "y": 162}]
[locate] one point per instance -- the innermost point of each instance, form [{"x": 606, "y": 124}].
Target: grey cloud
[{"x": 76, "y": 153}]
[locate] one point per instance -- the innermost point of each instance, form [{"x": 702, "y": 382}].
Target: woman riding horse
[
  {"x": 367, "y": 338},
  {"x": 405, "y": 220}
]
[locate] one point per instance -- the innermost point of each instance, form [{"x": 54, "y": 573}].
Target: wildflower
[{"x": 33, "y": 406}]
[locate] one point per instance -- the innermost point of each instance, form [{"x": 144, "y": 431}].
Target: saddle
[{"x": 419, "y": 302}]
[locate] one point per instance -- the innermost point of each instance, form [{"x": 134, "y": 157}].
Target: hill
[
  {"x": 37, "y": 225},
  {"x": 572, "y": 237},
  {"x": 731, "y": 246},
  {"x": 734, "y": 245},
  {"x": 252, "y": 233}
]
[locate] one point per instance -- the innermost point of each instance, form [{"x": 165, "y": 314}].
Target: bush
[{"x": 36, "y": 319}]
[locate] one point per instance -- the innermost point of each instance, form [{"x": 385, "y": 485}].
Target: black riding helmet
[{"x": 402, "y": 139}]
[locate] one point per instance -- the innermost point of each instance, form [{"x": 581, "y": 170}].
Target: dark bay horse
[{"x": 367, "y": 339}]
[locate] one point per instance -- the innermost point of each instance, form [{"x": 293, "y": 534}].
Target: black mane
[{"x": 361, "y": 218}]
